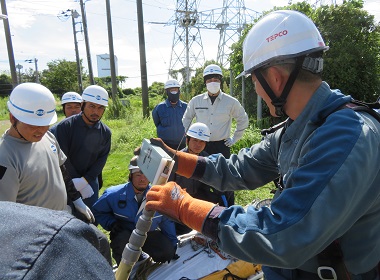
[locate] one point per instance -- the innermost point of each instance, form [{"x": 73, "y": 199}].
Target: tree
[
  {"x": 29, "y": 76},
  {"x": 61, "y": 76},
  {"x": 106, "y": 83},
  {"x": 5, "y": 84},
  {"x": 157, "y": 89},
  {"x": 352, "y": 63}
]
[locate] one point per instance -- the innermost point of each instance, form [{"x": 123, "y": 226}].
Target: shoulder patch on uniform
[{"x": 2, "y": 171}]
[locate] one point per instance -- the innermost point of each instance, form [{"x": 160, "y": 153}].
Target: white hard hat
[
  {"x": 212, "y": 69},
  {"x": 278, "y": 36},
  {"x": 133, "y": 165},
  {"x": 172, "y": 84},
  {"x": 199, "y": 131},
  {"x": 70, "y": 97},
  {"x": 32, "y": 104},
  {"x": 95, "y": 94}
]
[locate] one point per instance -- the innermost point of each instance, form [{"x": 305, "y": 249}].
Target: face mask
[
  {"x": 173, "y": 96},
  {"x": 213, "y": 87}
]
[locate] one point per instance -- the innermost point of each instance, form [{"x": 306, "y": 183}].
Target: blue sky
[{"x": 37, "y": 32}]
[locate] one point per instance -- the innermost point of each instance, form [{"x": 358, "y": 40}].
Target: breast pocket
[
  {"x": 201, "y": 113},
  {"x": 164, "y": 119}
]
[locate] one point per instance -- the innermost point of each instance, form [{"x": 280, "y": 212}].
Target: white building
[{"x": 104, "y": 68}]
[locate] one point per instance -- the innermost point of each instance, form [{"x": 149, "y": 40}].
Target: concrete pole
[
  {"x": 259, "y": 108},
  {"x": 86, "y": 40},
  {"x": 8, "y": 39},
  {"x": 36, "y": 67},
  {"x": 243, "y": 91},
  {"x": 74, "y": 14},
  {"x": 144, "y": 75},
  {"x": 112, "y": 54},
  {"x": 19, "y": 67},
  {"x": 231, "y": 83}
]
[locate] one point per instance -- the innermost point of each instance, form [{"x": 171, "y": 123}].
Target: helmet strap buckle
[{"x": 313, "y": 64}]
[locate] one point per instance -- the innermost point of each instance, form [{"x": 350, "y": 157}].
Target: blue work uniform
[
  {"x": 119, "y": 204},
  {"x": 86, "y": 147},
  {"x": 329, "y": 160},
  {"x": 168, "y": 121}
]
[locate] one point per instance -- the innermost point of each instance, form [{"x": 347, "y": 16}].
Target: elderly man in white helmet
[
  {"x": 217, "y": 109},
  {"x": 86, "y": 141},
  {"x": 167, "y": 116},
  {"x": 323, "y": 222}
]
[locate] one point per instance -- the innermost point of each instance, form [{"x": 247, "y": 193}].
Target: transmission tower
[
  {"x": 187, "y": 49},
  {"x": 231, "y": 23}
]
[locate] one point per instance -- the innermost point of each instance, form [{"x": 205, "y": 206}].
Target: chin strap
[
  {"x": 14, "y": 126},
  {"x": 93, "y": 122},
  {"x": 279, "y": 102}
]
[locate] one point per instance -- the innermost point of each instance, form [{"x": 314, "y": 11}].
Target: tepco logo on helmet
[
  {"x": 201, "y": 133},
  {"x": 98, "y": 97},
  {"x": 276, "y": 35},
  {"x": 40, "y": 112}
]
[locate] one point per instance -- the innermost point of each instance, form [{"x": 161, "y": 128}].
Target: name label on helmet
[{"x": 276, "y": 35}]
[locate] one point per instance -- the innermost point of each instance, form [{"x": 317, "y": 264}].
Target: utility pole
[
  {"x": 35, "y": 68},
  {"x": 74, "y": 15},
  {"x": 8, "y": 38},
  {"x": 19, "y": 67},
  {"x": 144, "y": 75},
  {"x": 112, "y": 55},
  {"x": 63, "y": 16},
  {"x": 86, "y": 39}
]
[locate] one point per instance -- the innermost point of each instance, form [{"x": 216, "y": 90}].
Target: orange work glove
[
  {"x": 174, "y": 202},
  {"x": 185, "y": 163}
]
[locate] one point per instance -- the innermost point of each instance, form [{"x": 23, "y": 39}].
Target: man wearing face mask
[
  {"x": 217, "y": 109},
  {"x": 167, "y": 117}
]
